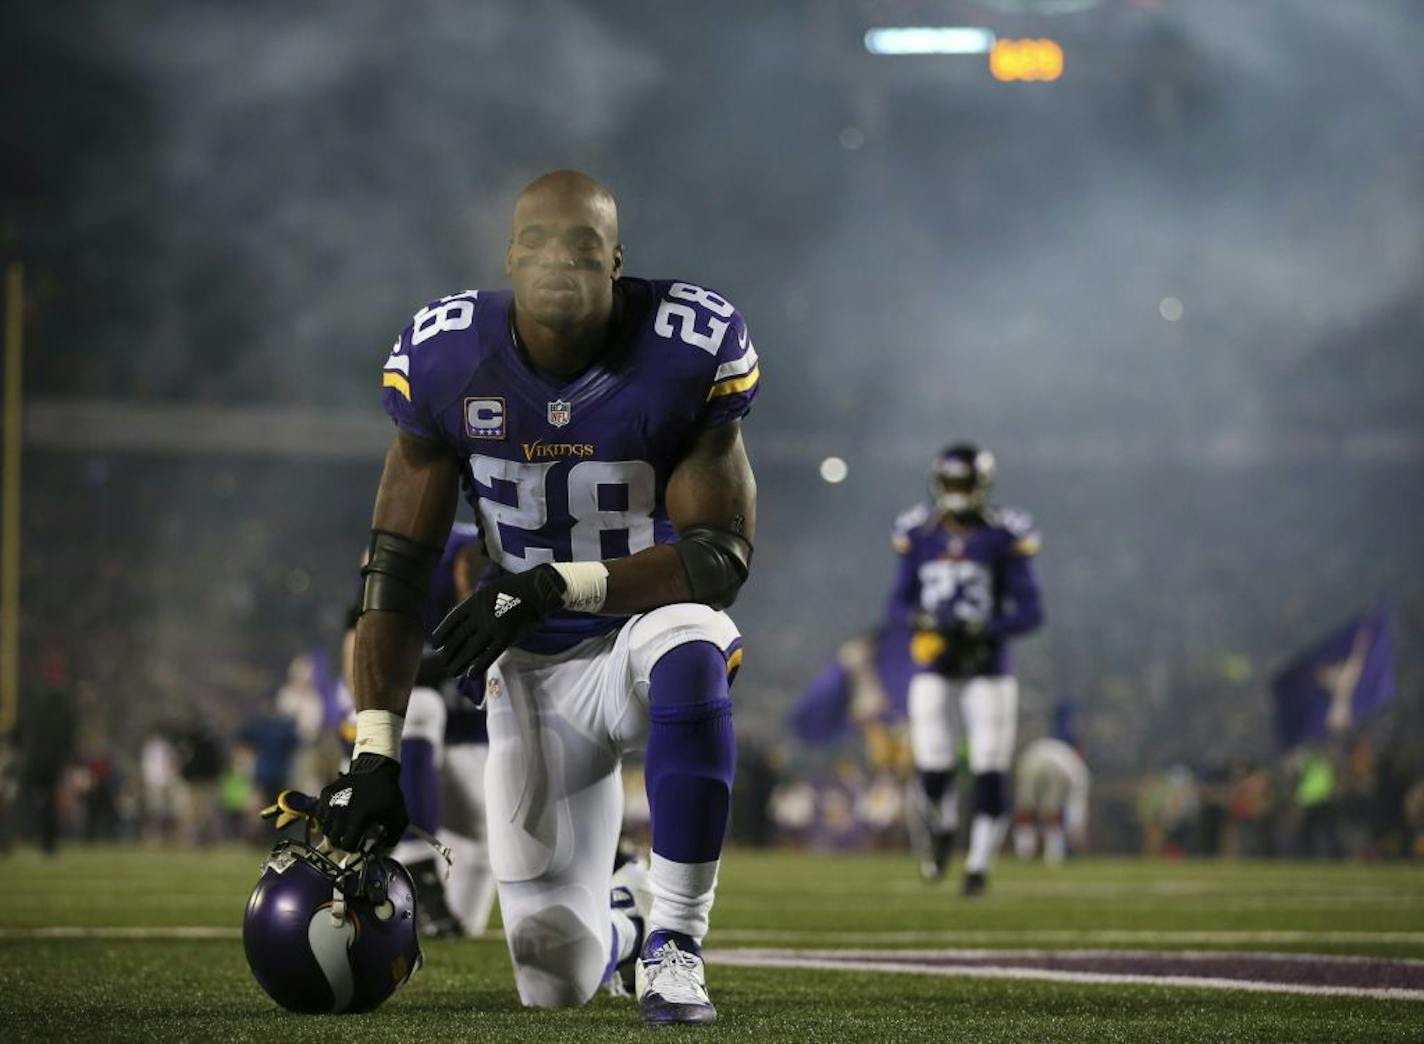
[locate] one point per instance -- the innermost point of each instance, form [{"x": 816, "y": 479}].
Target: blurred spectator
[
  {"x": 200, "y": 767},
  {"x": 1317, "y": 835},
  {"x": 1414, "y": 818},
  {"x": 300, "y": 700},
  {"x": 1250, "y": 802},
  {"x": 47, "y": 738},
  {"x": 793, "y": 810},
  {"x": 235, "y": 794},
  {"x": 882, "y": 809},
  {"x": 751, "y": 798},
  {"x": 101, "y": 800},
  {"x": 1356, "y": 799},
  {"x": 1388, "y": 825},
  {"x": 158, "y": 767},
  {"x": 273, "y": 739},
  {"x": 1168, "y": 808}
]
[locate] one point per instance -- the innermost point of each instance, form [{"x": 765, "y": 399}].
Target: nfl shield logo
[{"x": 560, "y": 413}]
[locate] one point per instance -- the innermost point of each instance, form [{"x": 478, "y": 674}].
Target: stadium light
[
  {"x": 929, "y": 40},
  {"x": 834, "y": 470}
]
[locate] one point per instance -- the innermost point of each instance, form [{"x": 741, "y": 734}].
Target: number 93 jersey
[
  {"x": 980, "y": 576},
  {"x": 571, "y": 470}
]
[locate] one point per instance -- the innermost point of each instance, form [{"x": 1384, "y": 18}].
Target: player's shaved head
[
  {"x": 570, "y": 187},
  {"x": 564, "y": 254}
]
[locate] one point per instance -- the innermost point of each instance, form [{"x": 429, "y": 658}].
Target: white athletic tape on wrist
[
  {"x": 378, "y": 732},
  {"x": 586, "y": 583}
]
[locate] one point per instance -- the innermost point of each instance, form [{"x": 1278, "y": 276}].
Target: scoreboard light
[
  {"x": 949, "y": 39},
  {"x": 1027, "y": 61}
]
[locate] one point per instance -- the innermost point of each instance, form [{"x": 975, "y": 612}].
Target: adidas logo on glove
[
  {"x": 341, "y": 798},
  {"x": 504, "y": 603}
]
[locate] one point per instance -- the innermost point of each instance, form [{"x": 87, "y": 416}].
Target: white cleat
[{"x": 672, "y": 982}]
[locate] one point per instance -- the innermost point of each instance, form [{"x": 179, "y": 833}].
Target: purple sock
[
  {"x": 420, "y": 783},
  {"x": 692, "y": 753}
]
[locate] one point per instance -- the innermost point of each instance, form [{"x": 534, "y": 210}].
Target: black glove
[
  {"x": 476, "y": 631},
  {"x": 364, "y": 806},
  {"x": 968, "y": 650}
]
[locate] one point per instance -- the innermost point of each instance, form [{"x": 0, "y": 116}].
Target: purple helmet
[
  {"x": 323, "y": 937},
  {"x": 961, "y": 478}
]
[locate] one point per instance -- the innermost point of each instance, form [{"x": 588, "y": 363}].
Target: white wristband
[
  {"x": 378, "y": 732},
  {"x": 586, "y": 583}
]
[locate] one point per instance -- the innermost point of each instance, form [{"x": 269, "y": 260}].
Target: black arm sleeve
[
  {"x": 397, "y": 574},
  {"x": 717, "y": 563}
]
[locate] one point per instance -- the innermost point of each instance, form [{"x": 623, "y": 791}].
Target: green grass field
[{"x": 91, "y": 948}]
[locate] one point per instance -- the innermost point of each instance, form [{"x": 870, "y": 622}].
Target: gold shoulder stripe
[
  {"x": 734, "y": 661},
  {"x": 731, "y": 387},
  {"x": 396, "y": 381}
]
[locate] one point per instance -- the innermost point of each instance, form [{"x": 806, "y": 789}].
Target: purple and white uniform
[
  {"x": 984, "y": 576},
  {"x": 576, "y": 470}
]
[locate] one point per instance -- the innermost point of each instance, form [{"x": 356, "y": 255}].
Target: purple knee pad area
[
  {"x": 991, "y": 793},
  {"x": 692, "y": 753},
  {"x": 420, "y": 784}
]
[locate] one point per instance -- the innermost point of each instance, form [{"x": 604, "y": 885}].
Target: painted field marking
[
  {"x": 725, "y": 936},
  {"x": 169, "y": 932},
  {"x": 177, "y": 931},
  {"x": 818, "y": 960},
  {"x": 1185, "y": 956},
  {"x": 1087, "y": 935}
]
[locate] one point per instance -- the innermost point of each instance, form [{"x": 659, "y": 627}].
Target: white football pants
[
  {"x": 989, "y": 709},
  {"x": 470, "y": 888},
  {"x": 559, "y": 726}
]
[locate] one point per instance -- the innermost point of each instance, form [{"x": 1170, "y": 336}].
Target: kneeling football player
[{"x": 594, "y": 421}]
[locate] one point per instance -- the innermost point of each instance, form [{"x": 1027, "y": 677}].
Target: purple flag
[{"x": 1337, "y": 681}]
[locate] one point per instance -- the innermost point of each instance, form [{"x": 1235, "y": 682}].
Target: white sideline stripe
[
  {"x": 177, "y": 931},
  {"x": 734, "y": 935},
  {"x": 784, "y": 959}
]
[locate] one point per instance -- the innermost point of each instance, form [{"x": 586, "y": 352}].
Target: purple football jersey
[
  {"x": 982, "y": 576},
  {"x": 571, "y": 470}
]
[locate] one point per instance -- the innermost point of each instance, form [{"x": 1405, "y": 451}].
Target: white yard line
[
  {"x": 1047, "y": 935},
  {"x": 790, "y": 959},
  {"x": 726, "y": 936},
  {"x": 1017, "y": 954},
  {"x": 176, "y": 931}
]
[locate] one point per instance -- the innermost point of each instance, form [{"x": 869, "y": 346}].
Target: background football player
[
  {"x": 594, "y": 420},
  {"x": 1051, "y": 783},
  {"x": 967, "y": 585}
]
